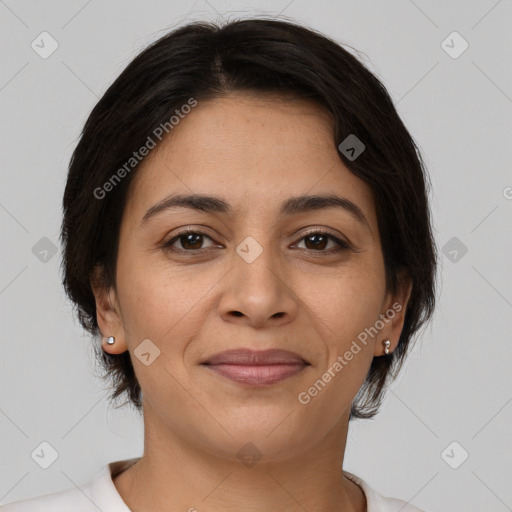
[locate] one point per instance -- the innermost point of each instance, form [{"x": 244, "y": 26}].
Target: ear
[
  {"x": 108, "y": 314},
  {"x": 393, "y": 315}
]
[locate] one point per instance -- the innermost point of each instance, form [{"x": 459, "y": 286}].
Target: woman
[{"x": 246, "y": 228}]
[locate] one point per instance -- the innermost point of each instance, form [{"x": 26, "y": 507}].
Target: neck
[{"x": 176, "y": 475}]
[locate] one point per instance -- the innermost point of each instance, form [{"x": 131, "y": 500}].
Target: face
[{"x": 253, "y": 270}]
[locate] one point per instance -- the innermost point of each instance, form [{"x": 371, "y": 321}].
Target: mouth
[{"x": 256, "y": 368}]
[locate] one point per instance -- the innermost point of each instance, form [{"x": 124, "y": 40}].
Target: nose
[{"x": 258, "y": 293}]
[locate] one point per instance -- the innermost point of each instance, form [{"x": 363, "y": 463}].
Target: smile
[
  {"x": 260, "y": 375},
  {"x": 256, "y": 368}
]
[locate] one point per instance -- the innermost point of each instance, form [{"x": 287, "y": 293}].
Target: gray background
[{"x": 456, "y": 385}]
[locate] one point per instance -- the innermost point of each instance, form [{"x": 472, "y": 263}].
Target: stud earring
[
  {"x": 387, "y": 344},
  {"x": 111, "y": 340}
]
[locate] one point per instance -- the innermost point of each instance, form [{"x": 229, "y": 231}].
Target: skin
[{"x": 254, "y": 153}]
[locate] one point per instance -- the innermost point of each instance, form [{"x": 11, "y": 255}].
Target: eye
[
  {"x": 189, "y": 240},
  {"x": 317, "y": 241}
]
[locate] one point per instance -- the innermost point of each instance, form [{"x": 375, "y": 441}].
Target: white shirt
[{"x": 100, "y": 493}]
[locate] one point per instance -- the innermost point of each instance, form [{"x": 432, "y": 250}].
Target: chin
[{"x": 270, "y": 437}]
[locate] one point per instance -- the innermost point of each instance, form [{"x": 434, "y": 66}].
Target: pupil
[
  {"x": 317, "y": 241},
  {"x": 189, "y": 240}
]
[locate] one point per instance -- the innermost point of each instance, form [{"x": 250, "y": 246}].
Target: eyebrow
[{"x": 292, "y": 206}]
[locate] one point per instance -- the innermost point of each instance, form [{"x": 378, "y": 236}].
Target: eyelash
[{"x": 343, "y": 246}]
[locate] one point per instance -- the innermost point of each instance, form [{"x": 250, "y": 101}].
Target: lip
[
  {"x": 256, "y": 368},
  {"x": 250, "y": 357}
]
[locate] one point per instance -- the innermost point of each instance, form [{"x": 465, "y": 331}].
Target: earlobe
[
  {"x": 107, "y": 315},
  {"x": 393, "y": 318},
  {"x": 112, "y": 345}
]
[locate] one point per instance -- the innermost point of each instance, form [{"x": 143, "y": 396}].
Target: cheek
[
  {"x": 342, "y": 314},
  {"x": 161, "y": 303},
  {"x": 346, "y": 304},
  {"x": 164, "y": 306}
]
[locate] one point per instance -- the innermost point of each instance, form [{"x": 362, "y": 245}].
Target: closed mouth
[{"x": 256, "y": 368}]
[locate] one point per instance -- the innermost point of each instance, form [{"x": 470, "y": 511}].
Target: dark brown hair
[{"x": 203, "y": 60}]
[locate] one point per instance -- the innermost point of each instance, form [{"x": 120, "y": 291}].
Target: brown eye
[
  {"x": 188, "y": 241},
  {"x": 318, "y": 242},
  {"x": 191, "y": 241}
]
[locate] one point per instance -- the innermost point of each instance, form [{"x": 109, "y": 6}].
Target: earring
[
  {"x": 111, "y": 340},
  {"x": 387, "y": 344}
]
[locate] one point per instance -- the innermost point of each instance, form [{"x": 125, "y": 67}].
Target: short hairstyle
[{"x": 203, "y": 61}]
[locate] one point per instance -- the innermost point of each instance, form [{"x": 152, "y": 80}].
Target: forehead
[{"x": 250, "y": 150}]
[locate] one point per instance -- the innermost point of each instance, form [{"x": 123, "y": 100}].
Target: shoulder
[
  {"x": 97, "y": 494},
  {"x": 378, "y": 503},
  {"x": 71, "y": 499}
]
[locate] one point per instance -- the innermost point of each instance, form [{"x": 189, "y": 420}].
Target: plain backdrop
[{"x": 453, "y": 399}]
